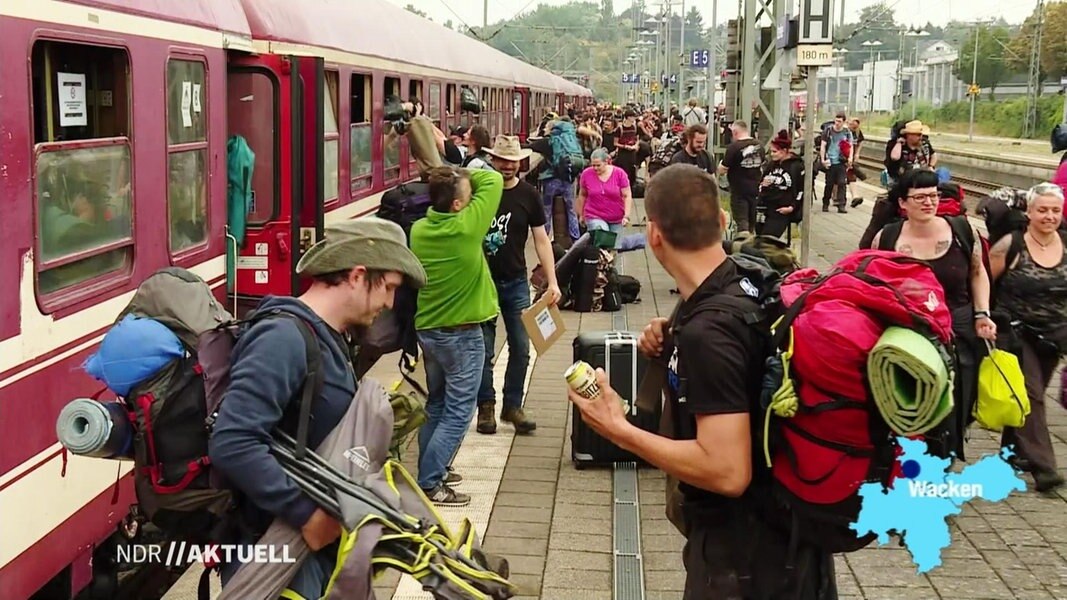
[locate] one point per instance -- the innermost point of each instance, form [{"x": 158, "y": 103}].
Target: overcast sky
[{"x": 912, "y": 12}]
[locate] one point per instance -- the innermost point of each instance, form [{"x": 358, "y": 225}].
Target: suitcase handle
[{"x": 618, "y": 337}]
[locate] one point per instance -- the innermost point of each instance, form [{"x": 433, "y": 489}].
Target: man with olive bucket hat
[{"x": 355, "y": 270}]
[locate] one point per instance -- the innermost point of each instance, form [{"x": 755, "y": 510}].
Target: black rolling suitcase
[{"x": 615, "y": 352}]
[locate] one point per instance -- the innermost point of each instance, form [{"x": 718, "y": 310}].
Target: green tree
[
  {"x": 992, "y": 68},
  {"x": 411, "y": 8},
  {"x": 1053, "y": 53}
]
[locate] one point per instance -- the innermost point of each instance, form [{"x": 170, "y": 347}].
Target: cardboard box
[{"x": 544, "y": 324}]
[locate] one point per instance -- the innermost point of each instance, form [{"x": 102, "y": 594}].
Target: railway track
[{"x": 972, "y": 187}]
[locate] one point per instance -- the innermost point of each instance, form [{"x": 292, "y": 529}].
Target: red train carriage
[{"x": 114, "y": 122}]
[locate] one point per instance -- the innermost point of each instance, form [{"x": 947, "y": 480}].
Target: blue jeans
[
  {"x": 454, "y": 358},
  {"x": 550, "y": 188},
  {"x": 514, "y": 298}
]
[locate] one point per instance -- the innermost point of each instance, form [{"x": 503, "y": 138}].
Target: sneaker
[
  {"x": 842, "y": 210},
  {"x": 487, "y": 418},
  {"x": 825, "y": 208},
  {"x": 443, "y": 495},
  {"x": 856, "y": 202},
  {"x": 452, "y": 478},
  {"x": 517, "y": 417}
]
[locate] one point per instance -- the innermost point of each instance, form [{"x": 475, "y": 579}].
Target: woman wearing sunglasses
[{"x": 953, "y": 250}]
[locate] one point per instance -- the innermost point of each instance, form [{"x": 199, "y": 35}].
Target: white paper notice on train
[{"x": 544, "y": 324}]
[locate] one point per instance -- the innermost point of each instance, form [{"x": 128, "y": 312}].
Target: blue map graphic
[{"x": 917, "y": 505}]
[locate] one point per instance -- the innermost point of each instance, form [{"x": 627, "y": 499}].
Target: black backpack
[
  {"x": 629, "y": 289},
  {"x": 394, "y": 329},
  {"x": 173, "y": 411},
  {"x": 405, "y": 204}
]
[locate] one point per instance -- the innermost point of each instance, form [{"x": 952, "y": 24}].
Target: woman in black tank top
[
  {"x": 1031, "y": 272},
  {"x": 951, "y": 247}
]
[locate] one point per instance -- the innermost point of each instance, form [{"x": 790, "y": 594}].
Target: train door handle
[{"x": 283, "y": 245}]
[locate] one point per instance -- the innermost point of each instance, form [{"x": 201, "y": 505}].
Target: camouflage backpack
[{"x": 774, "y": 251}]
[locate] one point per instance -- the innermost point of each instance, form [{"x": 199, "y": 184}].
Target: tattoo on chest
[
  {"x": 942, "y": 246},
  {"x": 906, "y": 249}
]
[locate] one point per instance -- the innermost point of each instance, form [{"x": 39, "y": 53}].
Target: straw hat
[
  {"x": 915, "y": 127},
  {"x": 507, "y": 147}
]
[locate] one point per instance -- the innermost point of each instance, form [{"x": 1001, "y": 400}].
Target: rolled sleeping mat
[
  {"x": 99, "y": 429},
  {"x": 910, "y": 381}
]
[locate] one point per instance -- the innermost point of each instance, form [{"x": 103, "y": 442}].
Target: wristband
[{"x": 981, "y": 313}]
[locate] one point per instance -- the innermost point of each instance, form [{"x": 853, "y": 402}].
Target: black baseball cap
[{"x": 459, "y": 130}]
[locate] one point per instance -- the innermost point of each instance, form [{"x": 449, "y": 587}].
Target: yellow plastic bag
[{"x": 1002, "y": 400}]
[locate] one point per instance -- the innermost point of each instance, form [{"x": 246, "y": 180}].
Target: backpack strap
[
  {"x": 313, "y": 381},
  {"x": 887, "y": 240},
  {"x": 1016, "y": 247},
  {"x": 962, "y": 233}
]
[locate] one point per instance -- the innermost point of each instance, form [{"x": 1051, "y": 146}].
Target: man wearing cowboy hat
[
  {"x": 910, "y": 150},
  {"x": 355, "y": 271},
  {"x": 519, "y": 214}
]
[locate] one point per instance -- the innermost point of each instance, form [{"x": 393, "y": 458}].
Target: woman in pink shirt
[{"x": 604, "y": 199}]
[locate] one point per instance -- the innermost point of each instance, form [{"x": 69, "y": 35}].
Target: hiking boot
[
  {"x": 516, "y": 417},
  {"x": 825, "y": 208},
  {"x": 452, "y": 478},
  {"x": 487, "y": 418},
  {"x": 443, "y": 495},
  {"x": 842, "y": 210},
  {"x": 1046, "y": 481}
]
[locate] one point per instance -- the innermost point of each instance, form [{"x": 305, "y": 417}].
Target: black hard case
[{"x": 615, "y": 352}]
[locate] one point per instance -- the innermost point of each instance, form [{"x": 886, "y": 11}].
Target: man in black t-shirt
[
  {"x": 742, "y": 166},
  {"x": 519, "y": 214},
  {"x": 695, "y": 150},
  {"x": 714, "y": 368}
]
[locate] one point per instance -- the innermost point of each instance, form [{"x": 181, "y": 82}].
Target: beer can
[{"x": 582, "y": 379}]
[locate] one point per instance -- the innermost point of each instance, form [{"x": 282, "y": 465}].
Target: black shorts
[{"x": 740, "y": 558}]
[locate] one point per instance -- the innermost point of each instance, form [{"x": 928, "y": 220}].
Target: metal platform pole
[{"x": 809, "y": 176}]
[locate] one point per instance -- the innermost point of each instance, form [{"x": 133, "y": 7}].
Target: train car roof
[
  {"x": 384, "y": 30},
  {"x": 218, "y": 15}
]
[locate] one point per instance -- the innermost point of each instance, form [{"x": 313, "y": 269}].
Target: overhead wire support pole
[{"x": 809, "y": 176}]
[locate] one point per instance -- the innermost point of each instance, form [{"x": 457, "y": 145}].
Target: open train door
[{"x": 277, "y": 219}]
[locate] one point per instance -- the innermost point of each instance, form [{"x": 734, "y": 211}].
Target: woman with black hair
[{"x": 952, "y": 248}]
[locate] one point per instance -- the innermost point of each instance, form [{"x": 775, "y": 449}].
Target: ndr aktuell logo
[{"x": 176, "y": 554}]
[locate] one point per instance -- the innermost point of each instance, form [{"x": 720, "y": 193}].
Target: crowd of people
[{"x": 467, "y": 258}]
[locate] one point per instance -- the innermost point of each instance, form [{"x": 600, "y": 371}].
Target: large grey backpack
[{"x": 173, "y": 411}]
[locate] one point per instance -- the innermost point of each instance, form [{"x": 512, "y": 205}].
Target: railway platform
[{"x": 561, "y": 529}]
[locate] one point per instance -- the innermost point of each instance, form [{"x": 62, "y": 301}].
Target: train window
[
  {"x": 414, "y": 93},
  {"x": 390, "y": 140},
  {"x": 331, "y": 139},
  {"x": 433, "y": 104},
  {"x": 516, "y": 112},
  {"x": 252, "y": 115},
  {"x": 186, "y": 154},
  {"x": 361, "y": 156},
  {"x": 451, "y": 102},
  {"x": 82, "y": 162}
]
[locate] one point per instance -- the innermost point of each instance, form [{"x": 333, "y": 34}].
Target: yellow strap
[
  {"x": 291, "y": 595},
  {"x": 784, "y": 402}
]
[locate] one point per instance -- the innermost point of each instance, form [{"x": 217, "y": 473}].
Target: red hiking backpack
[{"x": 837, "y": 440}]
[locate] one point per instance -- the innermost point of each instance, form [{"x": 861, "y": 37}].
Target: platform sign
[
  {"x": 815, "y": 55},
  {"x": 699, "y": 58},
  {"x": 816, "y": 22},
  {"x": 631, "y": 78}
]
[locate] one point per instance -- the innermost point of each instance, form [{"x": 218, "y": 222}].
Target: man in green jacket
[{"x": 459, "y": 296}]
